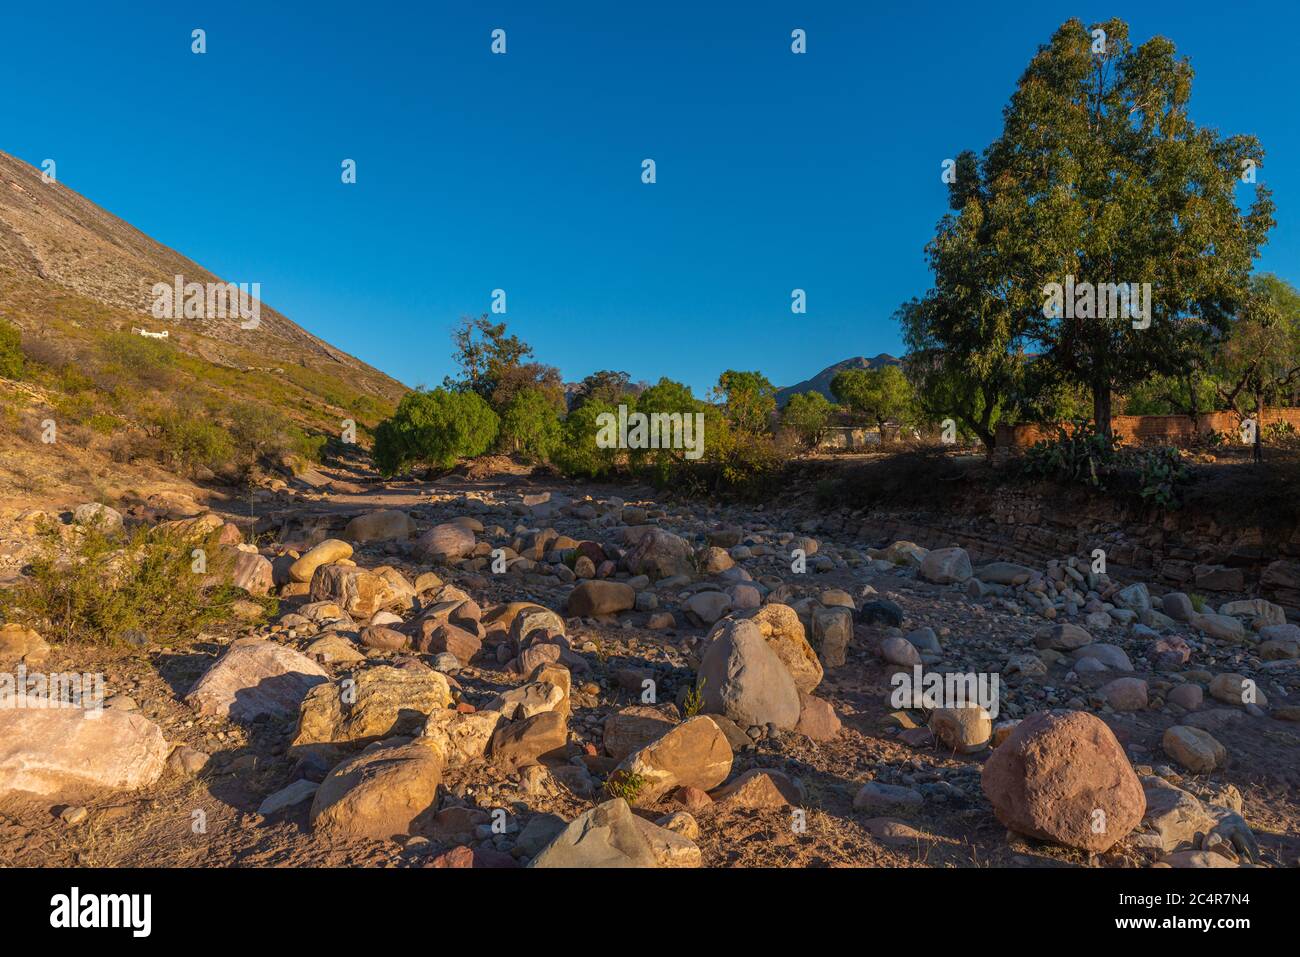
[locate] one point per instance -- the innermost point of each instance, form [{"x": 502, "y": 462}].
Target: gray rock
[
  {"x": 255, "y": 677},
  {"x": 295, "y": 793},
  {"x": 946, "y": 566},
  {"x": 740, "y": 676},
  {"x": 605, "y": 836}
]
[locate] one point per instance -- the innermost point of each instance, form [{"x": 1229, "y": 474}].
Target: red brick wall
[{"x": 1140, "y": 429}]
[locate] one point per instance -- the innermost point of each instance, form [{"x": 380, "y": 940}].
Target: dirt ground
[{"x": 212, "y": 820}]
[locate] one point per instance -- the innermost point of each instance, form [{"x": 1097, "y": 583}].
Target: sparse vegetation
[
  {"x": 694, "y": 700},
  {"x": 625, "y": 784},
  {"x": 98, "y": 586}
]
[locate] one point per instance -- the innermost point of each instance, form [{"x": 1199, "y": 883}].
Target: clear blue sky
[{"x": 522, "y": 171}]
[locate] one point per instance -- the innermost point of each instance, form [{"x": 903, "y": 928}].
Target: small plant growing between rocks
[
  {"x": 694, "y": 700},
  {"x": 624, "y": 784}
]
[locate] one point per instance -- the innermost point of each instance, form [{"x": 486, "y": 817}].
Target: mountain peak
[{"x": 821, "y": 382}]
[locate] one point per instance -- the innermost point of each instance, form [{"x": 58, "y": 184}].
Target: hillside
[
  {"x": 212, "y": 400},
  {"x": 821, "y": 382}
]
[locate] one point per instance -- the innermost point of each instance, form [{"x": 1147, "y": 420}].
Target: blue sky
[{"x": 523, "y": 171}]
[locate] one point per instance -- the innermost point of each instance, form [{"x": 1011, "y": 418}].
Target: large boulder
[
  {"x": 380, "y": 792},
  {"x": 516, "y": 744},
  {"x": 328, "y": 551},
  {"x": 445, "y": 543},
  {"x": 659, "y": 554},
  {"x": 784, "y": 633},
  {"x": 1063, "y": 777},
  {"x": 632, "y": 728},
  {"x": 252, "y": 572},
  {"x": 597, "y": 597},
  {"x": 98, "y": 515},
  {"x": 946, "y": 566},
  {"x": 605, "y": 836},
  {"x": 383, "y": 525},
  {"x": 256, "y": 677},
  {"x": 740, "y": 676},
  {"x": 1195, "y": 749},
  {"x": 464, "y": 738},
  {"x": 693, "y": 754},
  {"x": 359, "y": 592},
  {"x": 373, "y": 704},
  {"x": 22, "y": 645},
  {"x": 52, "y": 752}
]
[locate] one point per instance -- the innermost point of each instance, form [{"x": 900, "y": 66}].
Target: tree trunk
[
  {"x": 1258, "y": 452},
  {"x": 1101, "y": 408}
]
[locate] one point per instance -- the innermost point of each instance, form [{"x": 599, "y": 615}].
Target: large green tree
[
  {"x": 881, "y": 395},
  {"x": 1259, "y": 361},
  {"x": 808, "y": 415},
  {"x": 530, "y": 424},
  {"x": 748, "y": 400},
  {"x": 1100, "y": 179},
  {"x": 493, "y": 365},
  {"x": 434, "y": 428}
]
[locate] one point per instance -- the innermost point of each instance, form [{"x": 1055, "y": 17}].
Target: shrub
[
  {"x": 807, "y": 414},
  {"x": 148, "y": 361},
  {"x": 530, "y": 425},
  {"x": 101, "y": 585},
  {"x": 625, "y": 784},
  {"x": 11, "y": 351},
  {"x": 435, "y": 428},
  {"x": 189, "y": 441},
  {"x": 577, "y": 454},
  {"x": 1078, "y": 454},
  {"x": 263, "y": 432},
  {"x": 1161, "y": 475}
]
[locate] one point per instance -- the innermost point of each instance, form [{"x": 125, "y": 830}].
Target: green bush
[
  {"x": 807, "y": 414},
  {"x": 530, "y": 425},
  {"x": 11, "y": 351},
  {"x": 149, "y": 361},
  {"x": 434, "y": 428},
  {"x": 577, "y": 454},
  {"x": 188, "y": 441},
  {"x": 101, "y": 585},
  {"x": 1079, "y": 454},
  {"x": 1161, "y": 475}
]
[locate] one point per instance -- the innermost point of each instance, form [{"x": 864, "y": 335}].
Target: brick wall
[{"x": 1142, "y": 429}]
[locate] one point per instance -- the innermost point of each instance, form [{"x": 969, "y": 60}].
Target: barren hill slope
[{"x": 55, "y": 237}]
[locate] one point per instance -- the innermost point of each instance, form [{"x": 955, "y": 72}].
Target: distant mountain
[{"x": 821, "y": 382}]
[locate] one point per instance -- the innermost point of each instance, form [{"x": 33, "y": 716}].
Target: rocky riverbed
[{"x": 537, "y": 674}]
